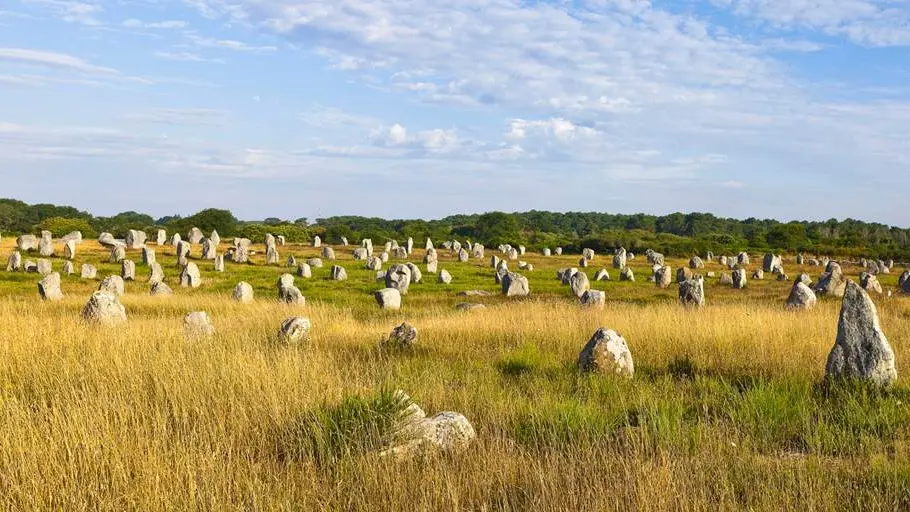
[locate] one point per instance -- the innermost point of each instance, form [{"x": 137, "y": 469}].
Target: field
[{"x": 726, "y": 410}]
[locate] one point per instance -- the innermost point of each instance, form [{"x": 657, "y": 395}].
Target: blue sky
[{"x": 791, "y": 109}]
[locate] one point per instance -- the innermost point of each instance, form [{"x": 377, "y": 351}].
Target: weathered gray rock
[
  {"x": 14, "y": 262},
  {"x": 241, "y": 250},
  {"x": 339, "y": 273},
  {"x": 870, "y": 283},
  {"x": 68, "y": 267},
  {"x": 329, "y": 254},
  {"x": 607, "y": 352},
  {"x": 194, "y": 236},
  {"x": 722, "y": 260},
  {"x": 135, "y": 239},
  {"x": 374, "y": 263},
  {"x": 579, "y": 284},
  {"x": 743, "y": 259},
  {"x": 160, "y": 289},
  {"x": 478, "y": 251},
  {"x": 304, "y": 270},
  {"x": 474, "y": 293},
  {"x": 281, "y": 240},
  {"x": 801, "y": 297},
  {"x": 771, "y": 261},
  {"x": 587, "y": 254},
  {"x": 243, "y": 292},
  {"x": 219, "y": 263},
  {"x": 565, "y": 275},
  {"x": 69, "y": 249},
  {"x": 861, "y": 350},
  {"x": 558, "y": 251},
  {"x": 547, "y": 252},
  {"x": 389, "y": 298},
  {"x": 49, "y": 287},
  {"x": 696, "y": 263},
  {"x": 197, "y": 324},
  {"x": 314, "y": 262},
  {"x": 416, "y": 274},
  {"x": 88, "y": 271},
  {"x": 402, "y": 337},
  {"x": 683, "y": 274},
  {"x": 118, "y": 254},
  {"x": 271, "y": 255},
  {"x": 128, "y": 270},
  {"x": 148, "y": 256},
  {"x": 156, "y": 273},
  {"x": 602, "y": 275},
  {"x": 469, "y": 306},
  {"x": 620, "y": 258},
  {"x": 725, "y": 279},
  {"x": 46, "y": 245},
  {"x": 432, "y": 266},
  {"x": 583, "y": 263},
  {"x": 285, "y": 280},
  {"x": 515, "y": 285},
  {"x": 903, "y": 282},
  {"x": 663, "y": 277},
  {"x": 294, "y": 330},
  {"x": 317, "y": 242},
  {"x": 832, "y": 282},
  {"x": 175, "y": 239},
  {"x": 183, "y": 253},
  {"x": 44, "y": 267},
  {"x": 758, "y": 275},
  {"x": 739, "y": 279},
  {"x": 30, "y": 266},
  {"x": 593, "y": 298},
  {"x": 626, "y": 274},
  {"x": 75, "y": 236},
  {"x": 414, "y": 433},
  {"x": 209, "y": 249},
  {"x": 360, "y": 253},
  {"x": 399, "y": 278},
  {"x": 190, "y": 276},
  {"x": 692, "y": 292},
  {"x": 108, "y": 240},
  {"x": 444, "y": 277},
  {"x": 161, "y": 237},
  {"x": 104, "y": 308}
]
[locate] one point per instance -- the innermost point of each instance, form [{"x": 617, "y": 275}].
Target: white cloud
[
  {"x": 168, "y": 24},
  {"x": 82, "y": 13},
  {"x": 229, "y": 44},
  {"x": 180, "y": 116},
  {"x": 52, "y": 60},
  {"x": 186, "y": 57}
]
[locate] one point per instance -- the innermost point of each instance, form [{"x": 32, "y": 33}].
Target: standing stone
[
  {"x": 583, "y": 262},
  {"x": 722, "y": 260},
  {"x": 771, "y": 261},
  {"x": 314, "y": 262},
  {"x": 197, "y": 324},
  {"x": 14, "y": 263},
  {"x": 75, "y": 236},
  {"x": 602, "y": 275},
  {"x": 547, "y": 252},
  {"x": 587, "y": 254},
  {"x": 194, "y": 236},
  {"x": 190, "y": 276},
  {"x": 148, "y": 256},
  {"x": 399, "y": 278},
  {"x": 344, "y": 241},
  {"x": 683, "y": 274},
  {"x": 280, "y": 240},
  {"x": 113, "y": 285},
  {"x": 88, "y": 271},
  {"x": 801, "y": 296},
  {"x": 160, "y": 289},
  {"x": 758, "y": 275},
  {"x": 128, "y": 270},
  {"x": 515, "y": 285},
  {"x": 339, "y": 273},
  {"x": 69, "y": 249},
  {"x": 161, "y": 237},
  {"x": 45, "y": 267},
  {"x": 271, "y": 255},
  {"x": 696, "y": 263},
  {"x": 118, "y": 254},
  {"x": 49, "y": 287},
  {"x": 156, "y": 273},
  {"x": 832, "y": 282},
  {"x": 725, "y": 279},
  {"x": 68, "y": 267},
  {"x": 402, "y": 337},
  {"x": 428, "y": 245},
  {"x": 593, "y": 298},
  {"x": 288, "y": 293},
  {"x": 367, "y": 244},
  {"x": 26, "y": 243},
  {"x": 374, "y": 263},
  {"x": 215, "y": 238},
  {"x": 579, "y": 284},
  {"x": 209, "y": 249},
  {"x": 663, "y": 277},
  {"x": 183, "y": 253},
  {"x": 104, "y": 308},
  {"x": 478, "y": 251},
  {"x": 416, "y": 274},
  {"x": 304, "y": 271},
  {"x": 558, "y": 251},
  {"x": 432, "y": 266},
  {"x": 241, "y": 253},
  {"x": 399, "y": 253},
  {"x": 295, "y": 329},
  {"x": 46, "y": 245},
  {"x": 243, "y": 292},
  {"x": 135, "y": 239},
  {"x": 861, "y": 350},
  {"x": 360, "y": 253},
  {"x": 430, "y": 255},
  {"x": 739, "y": 279},
  {"x": 607, "y": 352},
  {"x": 409, "y": 245},
  {"x": 565, "y": 275},
  {"x": 317, "y": 242},
  {"x": 463, "y": 256},
  {"x": 444, "y": 277},
  {"x": 743, "y": 259},
  {"x": 494, "y": 261},
  {"x": 870, "y": 283},
  {"x": 30, "y": 266},
  {"x": 175, "y": 239},
  {"x": 291, "y": 262},
  {"x": 626, "y": 274},
  {"x": 219, "y": 263},
  {"x": 388, "y": 298},
  {"x": 800, "y": 259},
  {"x": 692, "y": 292}
]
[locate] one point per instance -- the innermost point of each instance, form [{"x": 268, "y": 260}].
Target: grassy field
[{"x": 725, "y": 411}]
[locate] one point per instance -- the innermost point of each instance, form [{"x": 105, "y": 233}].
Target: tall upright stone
[
  {"x": 46, "y": 244},
  {"x": 190, "y": 276},
  {"x": 194, "y": 236},
  {"x": 128, "y": 270},
  {"x": 607, "y": 352},
  {"x": 69, "y": 249},
  {"x": 861, "y": 350},
  {"x": 148, "y": 256},
  {"x": 49, "y": 287}
]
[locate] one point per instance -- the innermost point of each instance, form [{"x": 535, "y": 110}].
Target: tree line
[{"x": 674, "y": 234}]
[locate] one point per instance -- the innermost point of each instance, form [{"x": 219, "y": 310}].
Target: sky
[{"x": 786, "y": 109}]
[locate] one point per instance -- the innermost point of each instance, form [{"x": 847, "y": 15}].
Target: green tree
[
  {"x": 496, "y": 228},
  {"x": 60, "y": 226}
]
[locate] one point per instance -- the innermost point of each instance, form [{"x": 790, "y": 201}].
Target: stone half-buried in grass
[
  {"x": 295, "y": 329},
  {"x": 197, "y": 324},
  {"x": 104, "y": 308},
  {"x": 607, "y": 352},
  {"x": 861, "y": 350},
  {"x": 415, "y": 433},
  {"x": 401, "y": 338}
]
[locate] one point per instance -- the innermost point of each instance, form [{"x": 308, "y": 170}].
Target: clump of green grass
[{"x": 523, "y": 360}]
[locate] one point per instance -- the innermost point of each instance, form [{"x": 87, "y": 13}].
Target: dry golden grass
[{"x": 724, "y": 411}]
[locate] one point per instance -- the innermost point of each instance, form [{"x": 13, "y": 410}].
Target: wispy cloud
[
  {"x": 229, "y": 44},
  {"x": 186, "y": 57},
  {"x": 52, "y": 60}
]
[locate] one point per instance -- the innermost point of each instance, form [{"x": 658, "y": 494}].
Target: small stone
[
  {"x": 160, "y": 289},
  {"x": 88, "y": 271},
  {"x": 607, "y": 352},
  {"x": 104, "y": 308},
  {"x": 388, "y": 298},
  {"x": 444, "y": 277},
  {"x": 197, "y": 324},
  {"x": 402, "y": 337},
  {"x": 243, "y": 293}
]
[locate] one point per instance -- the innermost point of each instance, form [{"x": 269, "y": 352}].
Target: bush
[
  {"x": 257, "y": 232},
  {"x": 60, "y": 226}
]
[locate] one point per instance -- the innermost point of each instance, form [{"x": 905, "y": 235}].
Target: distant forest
[{"x": 674, "y": 234}]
